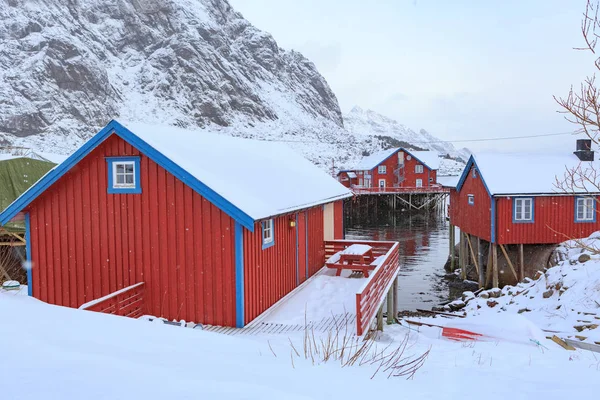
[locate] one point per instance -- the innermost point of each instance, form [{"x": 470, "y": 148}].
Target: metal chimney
[{"x": 584, "y": 150}]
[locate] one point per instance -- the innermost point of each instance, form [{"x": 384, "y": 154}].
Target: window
[
  {"x": 419, "y": 183},
  {"x": 474, "y": 173},
  {"x": 268, "y": 238},
  {"x": 471, "y": 199},
  {"x": 523, "y": 209},
  {"x": 124, "y": 175},
  {"x": 382, "y": 183},
  {"x": 382, "y": 169},
  {"x": 360, "y": 181},
  {"x": 585, "y": 209},
  {"x": 418, "y": 169}
]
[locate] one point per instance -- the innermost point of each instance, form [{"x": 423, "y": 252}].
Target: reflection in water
[{"x": 423, "y": 241}]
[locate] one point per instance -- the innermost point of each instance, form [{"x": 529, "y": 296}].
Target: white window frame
[
  {"x": 115, "y": 184},
  {"x": 379, "y": 184},
  {"x": 418, "y": 169},
  {"x": 583, "y": 208},
  {"x": 471, "y": 199},
  {"x": 268, "y": 233},
  {"x": 519, "y": 212},
  {"x": 382, "y": 169},
  {"x": 419, "y": 183}
]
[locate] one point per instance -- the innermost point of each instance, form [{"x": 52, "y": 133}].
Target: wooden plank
[
  {"x": 583, "y": 345},
  {"x": 561, "y": 343},
  {"x": 441, "y": 313},
  {"x": 510, "y": 264},
  {"x": 490, "y": 267},
  {"x": 472, "y": 253},
  {"x": 452, "y": 247},
  {"x": 480, "y": 261}
]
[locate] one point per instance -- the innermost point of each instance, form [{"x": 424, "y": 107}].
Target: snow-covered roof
[
  {"x": 448, "y": 181},
  {"x": 429, "y": 158},
  {"x": 370, "y": 162},
  {"x": 260, "y": 178},
  {"x": 525, "y": 173},
  {"x": 351, "y": 174}
]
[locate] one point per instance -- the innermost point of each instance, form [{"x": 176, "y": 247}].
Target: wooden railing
[
  {"x": 127, "y": 302},
  {"x": 371, "y": 295},
  {"x": 384, "y": 190}
]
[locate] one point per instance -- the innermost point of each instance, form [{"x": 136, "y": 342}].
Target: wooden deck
[
  {"x": 341, "y": 323},
  {"x": 399, "y": 190}
]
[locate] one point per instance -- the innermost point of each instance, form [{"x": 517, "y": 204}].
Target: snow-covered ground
[{"x": 55, "y": 352}]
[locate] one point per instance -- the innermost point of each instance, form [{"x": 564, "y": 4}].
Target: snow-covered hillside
[
  {"x": 67, "y": 68},
  {"x": 371, "y": 124}
]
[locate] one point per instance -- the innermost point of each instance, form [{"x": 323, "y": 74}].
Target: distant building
[
  {"x": 394, "y": 168},
  {"x": 216, "y": 228}
]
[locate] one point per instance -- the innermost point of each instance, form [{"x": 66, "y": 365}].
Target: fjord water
[{"x": 423, "y": 238}]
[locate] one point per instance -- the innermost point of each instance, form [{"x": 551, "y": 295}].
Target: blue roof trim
[
  {"x": 115, "y": 127},
  {"x": 465, "y": 174}
]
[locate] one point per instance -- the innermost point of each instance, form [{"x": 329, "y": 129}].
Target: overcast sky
[{"x": 460, "y": 69}]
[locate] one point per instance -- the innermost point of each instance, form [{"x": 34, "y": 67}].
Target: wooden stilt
[
  {"x": 380, "y": 319},
  {"x": 475, "y": 261},
  {"x": 495, "y": 278},
  {"x": 480, "y": 261},
  {"x": 390, "y": 306},
  {"x": 510, "y": 264},
  {"x": 395, "y": 289},
  {"x": 463, "y": 257},
  {"x": 452, "y": 247},
  {"x": 489, "y": 268},
  {"x": 521, "y": 262}
]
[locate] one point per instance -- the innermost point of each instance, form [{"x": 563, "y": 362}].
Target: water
[{"x": 423, "y": 239}]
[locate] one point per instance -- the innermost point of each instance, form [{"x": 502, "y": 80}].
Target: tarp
[{"x": 16, "y": 176}]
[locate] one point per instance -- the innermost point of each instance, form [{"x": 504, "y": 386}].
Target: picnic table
[{"x": 357, "y": 257}]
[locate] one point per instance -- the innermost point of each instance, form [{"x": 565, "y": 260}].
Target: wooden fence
[
  {"x": 399, "y": 190},
  {"x": 371, "y": 295},
  {"x": 127, "y": 302}
]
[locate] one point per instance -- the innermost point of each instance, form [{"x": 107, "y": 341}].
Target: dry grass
[{"x": 347, "y": 349}]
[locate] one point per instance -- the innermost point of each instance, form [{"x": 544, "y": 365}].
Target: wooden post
[
  {"x": 480, "y": 261},
  {"x": 452, "y": 247},
  {"x": 390, "y": 306},
  {"x": 380, "y": 319},
  {"x": 395, "y": 288},
  {"x": 510, "y": 264},
  {"x": 489, "y": 269},
  {"x": 521, "y": 262},
  {"x": 495, "y": 280},
  {"x": 463, "y": 264}
]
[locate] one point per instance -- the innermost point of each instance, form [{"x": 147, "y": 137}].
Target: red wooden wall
[
  {"x": 410, "y": 176},
  {"x": 554, "y": 222},
  {"x": 472, "y": 219},
  {"x": 347, "y": 181},
  {"x": 338, "y": 219},
  {"x": 269, "y": 274},
  {"x": 272, "y": 273},
  {"x": 86, "y": 243}
]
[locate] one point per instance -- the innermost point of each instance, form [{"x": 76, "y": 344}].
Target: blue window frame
[
  {"x": 585, "y": 209},
  {"x": 123, "y": 175},
  {"x": 268, "y": 233},
  {"x": 523, "y": 210},
  {"x": 471, "y": 199}
]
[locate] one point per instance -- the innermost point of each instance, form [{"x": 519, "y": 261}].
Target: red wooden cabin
[
  {"x": 213, "y": 226},
  {"x": 507, "y": 199},
  {"x": 393, "y": 168}
]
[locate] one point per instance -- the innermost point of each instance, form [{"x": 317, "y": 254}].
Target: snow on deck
[{"x": 356, "y": 249}]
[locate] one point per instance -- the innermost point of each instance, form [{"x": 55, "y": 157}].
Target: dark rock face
[{"x": 187, "y": 62}]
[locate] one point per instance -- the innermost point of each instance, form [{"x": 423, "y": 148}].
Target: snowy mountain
[
  {"x": 68, "y": 67},
  {"x": 371, "y": 124}
]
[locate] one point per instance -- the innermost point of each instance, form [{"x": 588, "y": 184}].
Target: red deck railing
[
  {"x": 371, "y": 295},
  {"x": 390, "y": 190},
  {"x": 127, "y": 302}
]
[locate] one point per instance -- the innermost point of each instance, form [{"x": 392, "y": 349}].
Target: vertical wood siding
[
  {"x": 554, "y": 222},
  {"x": 269, "y": 274},
  {"x": 472, "y": 219},
  {"x": 410, "y": 176},
  {"x": 86, "y": 243},
  {"x": 316, "y": 244}
]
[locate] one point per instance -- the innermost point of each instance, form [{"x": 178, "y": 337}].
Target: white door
[
  {"x": 419, "y": 182},
  {"x": 382, "y": 183},
  {"x": 328, "y": 222}
]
